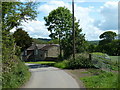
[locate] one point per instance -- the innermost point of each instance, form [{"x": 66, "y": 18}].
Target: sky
[{"x": 95, "y": 17}]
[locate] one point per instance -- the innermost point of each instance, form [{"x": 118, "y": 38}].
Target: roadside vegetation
[
  {"x": 14, "y": 75},
  {"x": 96, "y": 75},
  {"x": 14, "y": 71},
  {"x": 98, "y": 58},
  {"x": 99, "y": 55},
  {"x": 100, "y": 79},
  {"x": 50, "y": 63}
]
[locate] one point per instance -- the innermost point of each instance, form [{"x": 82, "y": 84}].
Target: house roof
[
  {"x": 48, "y": 47},
  {"x": 39, "y": 46},
  {"x": 42, "y": 46},
  {"x": 31, "y": 47}
]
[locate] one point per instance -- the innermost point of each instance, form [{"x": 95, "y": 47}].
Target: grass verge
[
  {"x": 51, "y": 63},
  {"x": 61, "y": 65},
  {"x": 100, "y": 79},
  {"x": 15, "y": 74}
]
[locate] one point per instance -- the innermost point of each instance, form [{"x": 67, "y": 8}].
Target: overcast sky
[{"x": 95, "y": 17}]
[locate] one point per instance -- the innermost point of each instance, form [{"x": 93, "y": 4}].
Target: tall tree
[
  {"x": 59, "y": 22},
  {"x": 67, "y": 41},
  {"x": 107, "y": 37},
  {"x": 22, "y": 39},
  {"x": 106, "y": 45}
]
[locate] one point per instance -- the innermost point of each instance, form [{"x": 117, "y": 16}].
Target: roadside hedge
[
  {"x": 14, "y": 74},
  {"x": 14, "y": 71},
  {"x": 81, "y": 61}
]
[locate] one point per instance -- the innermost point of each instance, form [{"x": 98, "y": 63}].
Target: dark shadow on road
[{"x": 37, "y": 66}]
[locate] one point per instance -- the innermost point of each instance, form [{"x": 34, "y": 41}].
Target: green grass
[
  {"x": 61, "y": 65},
  {"x": 114, "y": 58},
  {"x": 101, "y": 80},
  {"x": 85, "y": 72},
  {"x": 43, "y": 62}
]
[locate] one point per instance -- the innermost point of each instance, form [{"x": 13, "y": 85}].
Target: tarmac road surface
[{"x": 49, "y": 77}]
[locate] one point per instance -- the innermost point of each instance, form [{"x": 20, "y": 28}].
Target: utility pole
[{"x": 73, "y": 30}]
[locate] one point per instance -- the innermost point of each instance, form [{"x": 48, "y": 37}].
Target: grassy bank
[
  {"x": 100, "y": 79},
  {"x": 51, "y": 63},
  {"x": 15, "y": 73},
  {"x": 92, "y": 77},
  {"x": 114, "y": 59}
]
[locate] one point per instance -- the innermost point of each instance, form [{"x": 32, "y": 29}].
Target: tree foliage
[
  {"x": 67, "y": 42},
  {"x": 107, "y": 37},
  {"x": 59, "y": 23},
  {"x": 13, "y": 13},
  {"x": 22, "y": 39},
  {"x": 108, "y": 44}
]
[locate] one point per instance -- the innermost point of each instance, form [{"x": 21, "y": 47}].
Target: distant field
[{"x": 114, "y": 58}]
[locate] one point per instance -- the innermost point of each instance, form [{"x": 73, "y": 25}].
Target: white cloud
[
  {"x": 37, "y": 28},
  {"x": 109, "y": 13},
  {"x": 81, "y": 13},
  {"x": 49, "y": 6}
]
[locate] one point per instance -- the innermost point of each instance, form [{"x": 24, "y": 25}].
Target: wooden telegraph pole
[{"x": 73, "y": 30}]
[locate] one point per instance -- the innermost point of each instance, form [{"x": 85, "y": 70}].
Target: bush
[
  {"x": 62, "y": 64},
  {"x": 81, "y": 61},
  {"x": 14, "y": 71}
]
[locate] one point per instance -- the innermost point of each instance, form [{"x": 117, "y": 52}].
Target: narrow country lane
[{"x": 49, "y": 77}]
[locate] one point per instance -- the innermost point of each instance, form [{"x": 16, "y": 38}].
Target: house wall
[
  {"x": 42, "y": 55},
  {"x": 36, "y": 55},
  {"x": 31, "y": 57},
  {"x": 53, "y": 52}
]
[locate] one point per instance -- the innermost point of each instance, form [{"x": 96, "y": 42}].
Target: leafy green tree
[
  {"x": 59, "y": 22},
  {"x": 22, "y": 39},
  {"x": 108, "y": 45},
  {"x": 67, "y": 41},
  {"x": 115, "y": 48},
  {"x": 112, "y": 48},
  {"x": 13, "y": 13},
  {"x": 54, "y": 41},
  {"x": 107, "y": 37}
]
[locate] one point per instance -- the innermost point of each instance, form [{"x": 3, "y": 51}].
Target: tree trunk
[{"x": 60, "y": 48}]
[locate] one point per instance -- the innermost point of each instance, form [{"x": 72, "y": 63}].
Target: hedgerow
[{"x": 14, "y": 71}]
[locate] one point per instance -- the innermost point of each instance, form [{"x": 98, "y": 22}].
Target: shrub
[
  {"x": 62, "y": 64},
  {"x": 81, "y": 61}
]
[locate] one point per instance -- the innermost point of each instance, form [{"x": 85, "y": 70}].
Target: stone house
[{"x": 38, "y": 52}]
